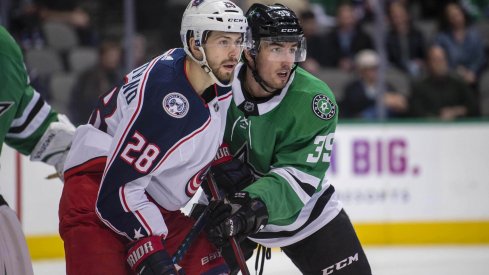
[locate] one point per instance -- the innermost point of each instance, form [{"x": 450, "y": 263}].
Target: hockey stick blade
[
  {"x": 238, "y": 253},
  {"x": 52, "y": 176}
]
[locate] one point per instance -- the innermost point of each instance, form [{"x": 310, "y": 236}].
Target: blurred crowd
[{"x": 433, "y": 54}]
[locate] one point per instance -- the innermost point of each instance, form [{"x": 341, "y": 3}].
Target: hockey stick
[
  {"x": 234, "y": 244},
  {"x": 52, "y": 176},
  {"x": 198, "y": 226}
]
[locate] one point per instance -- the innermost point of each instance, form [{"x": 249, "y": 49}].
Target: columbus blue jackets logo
[
  {"x": 176, "y": 105},
  {"x": 323, "y": 107}
]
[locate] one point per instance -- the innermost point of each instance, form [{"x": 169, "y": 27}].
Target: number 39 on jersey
[{"x": 323, "y": 149}]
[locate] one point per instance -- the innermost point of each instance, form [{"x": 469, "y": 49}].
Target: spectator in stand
[
  {"x": 476, "y": 9},
  {"x": 315, "y": 42},
  {"x": 360, "y": 95},
  {"x": 24, "y": 25},
  {"x": 425, "y": 9},
  {"x": 463, "y": 44},
  {"x": 362, "y": 9},
  {"x": 139, "y": 50},
  {"x": 156, "y": 20},
  {"x": 405, "y": 44},
  {"x": 95, "y": 81},
  {"x": 441, "y": 94},
  {"x": 71, "y": 13},
  {"x": 329, "y": 7},
  {"x": 345, "y": 40}
]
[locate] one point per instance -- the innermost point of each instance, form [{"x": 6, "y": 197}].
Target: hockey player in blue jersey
[{"x": 145, "y": 151}]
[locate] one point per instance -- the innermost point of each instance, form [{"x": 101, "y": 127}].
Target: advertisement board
[{"x": 402, "y": 183}]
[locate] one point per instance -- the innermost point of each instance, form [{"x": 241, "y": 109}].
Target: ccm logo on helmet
[
  {"x": 235, "y": 20},
  {"x": 288, "y": 30}
]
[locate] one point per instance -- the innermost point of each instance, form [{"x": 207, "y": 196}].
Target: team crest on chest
[
  {"x": 176, "y": 105},
  {"x": 323, "y": 107}
]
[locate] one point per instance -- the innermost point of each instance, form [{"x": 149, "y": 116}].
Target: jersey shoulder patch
[
  {"x": 323, "y": 107},
  {"x": 315, "y": 91}
]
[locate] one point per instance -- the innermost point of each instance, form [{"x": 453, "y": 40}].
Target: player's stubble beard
[{"x": 223, "y": 76}]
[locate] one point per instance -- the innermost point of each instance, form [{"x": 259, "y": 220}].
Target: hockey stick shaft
[
  {"x": 234, "y": 244},
  {"x": 198, "y": 226}
]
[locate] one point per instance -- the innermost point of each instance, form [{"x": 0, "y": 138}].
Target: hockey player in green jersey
[
  {"x": 281, "y": 123},
  {"x": 30, "y": 126}
]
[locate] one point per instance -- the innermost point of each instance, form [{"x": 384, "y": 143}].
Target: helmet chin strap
[
  {"x": 205, "y": 66},
  {"x": 257, "y": 76}
]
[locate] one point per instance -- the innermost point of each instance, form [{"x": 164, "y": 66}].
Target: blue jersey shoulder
[{"x": 168, "y": 69}]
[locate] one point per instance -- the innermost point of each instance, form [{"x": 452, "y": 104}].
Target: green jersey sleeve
[{"x": 24, "y": 115}]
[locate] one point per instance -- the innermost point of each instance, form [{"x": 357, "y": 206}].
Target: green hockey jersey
[
  {"x": 24, "y": 115},
  {"x": 287, "y": 140}
]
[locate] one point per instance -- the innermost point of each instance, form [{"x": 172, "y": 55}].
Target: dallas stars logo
[
  {"x": 4, "y": 106},
  {"x": 323, "y": 107}
]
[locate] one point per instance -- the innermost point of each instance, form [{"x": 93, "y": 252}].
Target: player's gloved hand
[
  {"x": 219, "y": 211},
  {"x": 231, "y": 174},
  {"x": 54, "y": 145},
  {"x": 247, "y": 216},
  {"x": 148, "y": 256}
]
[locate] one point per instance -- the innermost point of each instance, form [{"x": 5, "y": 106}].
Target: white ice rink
[{"x": 410, "y": 260}]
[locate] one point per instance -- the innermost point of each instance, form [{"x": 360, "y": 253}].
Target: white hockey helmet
[{"x": 202, "y": 16}]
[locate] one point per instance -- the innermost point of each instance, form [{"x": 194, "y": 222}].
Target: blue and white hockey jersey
[{"x": 158, "y": 137}]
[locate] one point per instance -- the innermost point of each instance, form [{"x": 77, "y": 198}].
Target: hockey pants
[{"x": 93, "y": 248}]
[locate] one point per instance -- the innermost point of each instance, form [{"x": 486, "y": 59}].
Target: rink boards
[{"x": 401, "y": 183}]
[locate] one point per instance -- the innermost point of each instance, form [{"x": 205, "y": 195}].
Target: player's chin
[
  {"x": 225, "y": 77},
  {"x": 227, "y": 69},
  {"x": 279, "y": 84}
]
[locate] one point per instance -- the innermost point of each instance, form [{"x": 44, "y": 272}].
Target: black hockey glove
[
  {"x": 245, "y": 216},
  {"x": 231, "y": 174},
  {"x": 148, "y": 256},
  {"x": 219, "y": 212}
]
